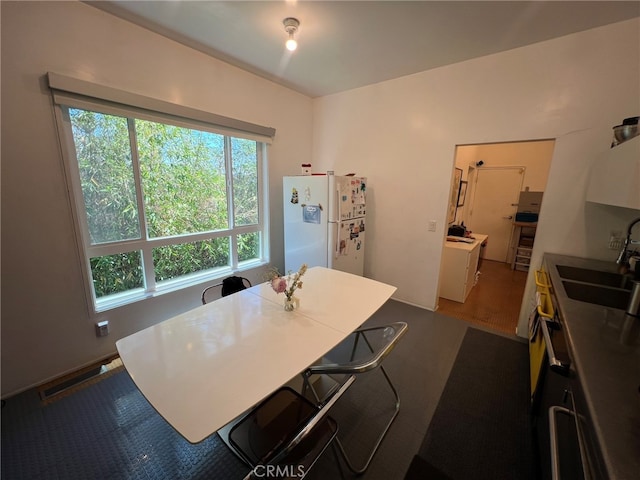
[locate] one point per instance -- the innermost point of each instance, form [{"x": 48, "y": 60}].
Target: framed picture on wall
[
  {"x": 455, "y": 191},
  {"x": 463, "y": 193}
]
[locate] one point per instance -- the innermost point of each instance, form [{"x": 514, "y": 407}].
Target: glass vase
[{"x": 289, "y": 305}]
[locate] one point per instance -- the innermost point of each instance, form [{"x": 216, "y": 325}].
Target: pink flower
[{"x": 279, "y": 284}]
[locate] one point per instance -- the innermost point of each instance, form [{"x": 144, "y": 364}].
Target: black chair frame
[{"x": 245, "y": 282}]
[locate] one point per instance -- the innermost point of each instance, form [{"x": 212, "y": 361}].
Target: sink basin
[
  {"x": 596, "y": 277},
  {"x": 597, "y": 294}
]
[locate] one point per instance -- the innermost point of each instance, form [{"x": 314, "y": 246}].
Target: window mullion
[
  {"x": 149, "y": 268},
  {"x": 147, "y": 256},
  {"x": 263, "y": 215},
  {"x": 228, "y": 160}
]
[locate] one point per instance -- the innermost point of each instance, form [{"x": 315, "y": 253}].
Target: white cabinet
[
  {"x": 614, "y": 177},
  {"x": 459, "y": 266}
]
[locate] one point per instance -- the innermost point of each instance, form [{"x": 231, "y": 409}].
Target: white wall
[
  {"x": 402, "y": 134},
  {"x": 46, "y": 327}
]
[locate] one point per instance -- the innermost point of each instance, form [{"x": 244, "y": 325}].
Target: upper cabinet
[{"x": 615, "y": 177}]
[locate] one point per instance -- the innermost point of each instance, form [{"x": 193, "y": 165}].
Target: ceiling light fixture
[{"x": 291, "y": 26}]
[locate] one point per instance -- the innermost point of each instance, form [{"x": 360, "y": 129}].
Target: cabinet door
[
  {"x": 453, "y": 278},
  {"x": 614, "y": 176},
  {"x": 472, "y": 267}
]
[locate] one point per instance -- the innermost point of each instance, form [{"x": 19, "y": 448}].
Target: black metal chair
[
  {"x": 286, "y": 430},
  {"x": 362, "y": 351},
  {"x": 228, "y": 286}
]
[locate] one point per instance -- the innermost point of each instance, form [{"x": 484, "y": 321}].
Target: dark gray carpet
[
  {"x": 481, "y": 426},
  {"x": 420, "y": 469}
]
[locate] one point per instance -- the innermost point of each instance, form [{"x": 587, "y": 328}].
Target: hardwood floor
[{"x": 494, "y": 302}]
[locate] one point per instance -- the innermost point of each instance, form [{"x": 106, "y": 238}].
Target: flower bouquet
[{"x": 287, "y": 285}]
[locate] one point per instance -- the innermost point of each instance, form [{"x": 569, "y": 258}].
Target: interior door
[{"x": 496, "y": 194}]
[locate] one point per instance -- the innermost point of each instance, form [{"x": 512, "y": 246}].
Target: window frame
[{"x": 144, "y": 244}]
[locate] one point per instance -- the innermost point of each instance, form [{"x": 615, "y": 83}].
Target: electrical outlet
[
  {"x": 615, "y": 243},
  {"x": 432, "y": 226},
  {"x": 102, "y": 328}
]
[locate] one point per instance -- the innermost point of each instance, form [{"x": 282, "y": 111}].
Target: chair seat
[
  {"x": 271, "y": 425},
  {"x": 285, "y": 430},
  {"x": 363, "y": 350},
  {"x": 303, "y": 457}
]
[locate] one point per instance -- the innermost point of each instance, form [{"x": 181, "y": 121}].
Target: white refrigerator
[{"x": 324, "y": 222}]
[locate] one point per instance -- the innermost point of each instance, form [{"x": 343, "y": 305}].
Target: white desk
[
  {"x": 459, "y": 266},
  {"x": 203, "y": 368}
]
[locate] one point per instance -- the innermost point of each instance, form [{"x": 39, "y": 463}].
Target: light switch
[{"x": 432, "y": 226}]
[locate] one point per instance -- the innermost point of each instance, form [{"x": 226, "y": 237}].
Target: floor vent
[{"x": 72, "y": 382}]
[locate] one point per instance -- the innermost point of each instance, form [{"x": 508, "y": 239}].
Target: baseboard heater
[{"x": 70, "y": 382}]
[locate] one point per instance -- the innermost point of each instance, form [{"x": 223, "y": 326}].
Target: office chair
[
  {"x": 229, "y": 285},
  {"x": 362, "y": 351},
  {"x": 286, "y": 429}
]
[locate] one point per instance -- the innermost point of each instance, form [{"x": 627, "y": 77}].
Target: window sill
[{"x": 169, "y": 286}]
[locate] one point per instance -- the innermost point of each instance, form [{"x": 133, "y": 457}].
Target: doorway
[{"x": 522, "y": 166}]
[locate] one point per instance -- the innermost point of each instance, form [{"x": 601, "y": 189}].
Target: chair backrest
[
  {"x": 362, "y": 350},
  {"x": 286, "y": 428},
  {"x": 228, "y": 286}
]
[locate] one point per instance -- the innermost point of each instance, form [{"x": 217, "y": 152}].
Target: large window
[{"x": 161, "y": 203}]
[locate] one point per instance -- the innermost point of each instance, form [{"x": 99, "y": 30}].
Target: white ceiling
[{"x": 348, "y": 44}]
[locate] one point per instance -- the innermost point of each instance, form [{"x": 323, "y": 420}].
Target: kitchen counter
[{"x": 608, "y": 370}]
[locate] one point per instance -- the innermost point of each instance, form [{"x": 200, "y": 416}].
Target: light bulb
[
  {"x": 291, "y": 44},
  {"x": 291, "y": 27}
]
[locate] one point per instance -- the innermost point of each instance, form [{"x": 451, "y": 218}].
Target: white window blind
[{"x": 72, "y": 91}]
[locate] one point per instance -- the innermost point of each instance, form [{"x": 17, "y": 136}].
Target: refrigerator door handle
[
  {"x": 337, "y": 209},
  {"x": 333, "y": 198},
  {"x": 331, "y": 248},
  {"x": 338, "y": 221}
]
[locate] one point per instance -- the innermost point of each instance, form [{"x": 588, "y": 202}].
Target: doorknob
[{"x": 508, "y": 218}]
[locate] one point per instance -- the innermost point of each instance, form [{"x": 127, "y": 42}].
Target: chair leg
[
  {"x": 335, "y": 455},
  {"x": 306, "y": 384}
]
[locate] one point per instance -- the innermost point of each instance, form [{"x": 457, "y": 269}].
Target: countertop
[
  {"x": 608, "y": 370},
  {"x": 478, "y": 238}
]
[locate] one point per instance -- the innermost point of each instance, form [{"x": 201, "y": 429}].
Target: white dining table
[{"x": 203, "y": 368}]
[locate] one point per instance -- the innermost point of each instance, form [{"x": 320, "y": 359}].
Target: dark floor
[{"x": 108, "y": 430}]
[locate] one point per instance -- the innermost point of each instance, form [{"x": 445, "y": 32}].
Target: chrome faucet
[{"x": 626, "y": 252}]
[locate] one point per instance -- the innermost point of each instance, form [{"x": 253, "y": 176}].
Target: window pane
[
  {"x": 245, "y": 181},
  {"x": 116, "y": 273},
  {"x": 177, "y": 260},
  {"x": 183, "y": 179},
  {"x": 106, "y": 175},
  {"x": 248, "y": 246}
]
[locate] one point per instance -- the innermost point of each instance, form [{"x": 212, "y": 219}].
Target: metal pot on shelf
[{"x": 622, "y": 133}]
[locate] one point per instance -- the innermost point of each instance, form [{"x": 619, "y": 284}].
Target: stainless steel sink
[
  {"x": 597, "y": 294},
  {"x": 596, "y": 277},
  {"x": 608, "y": 289}
]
